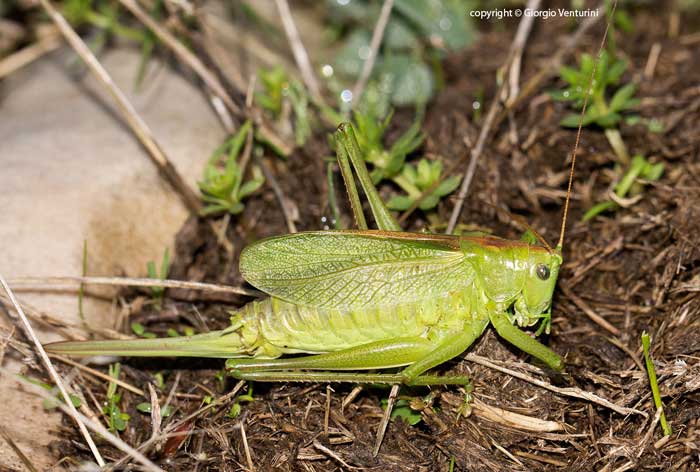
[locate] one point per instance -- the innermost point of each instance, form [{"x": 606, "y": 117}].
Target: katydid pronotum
[{"x": 369, "y": 300}]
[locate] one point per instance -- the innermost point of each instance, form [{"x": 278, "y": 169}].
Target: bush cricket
[{"x": 359, "y": 300}]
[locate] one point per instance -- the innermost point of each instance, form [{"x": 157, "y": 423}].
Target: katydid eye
[{"x": 542, "y": 271}]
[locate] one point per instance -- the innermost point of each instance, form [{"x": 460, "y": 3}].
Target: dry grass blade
[
  {"x": 246, "y": 448},
  {"x": 98, "y": 374},
  {"x": 300, "y": 55},
  {"x": 173, "y": 427},
  {"x": 29, "y": 54},
  {"x": 137, "y": 125},
  {"x": 377, "y": 36},
  {"x": 514, "y": 420},
  {"x": 490, "y": 122},
  {"x": 183, "y": 53},
  {"x": 565, "y": 391},
  {"x": 22, "y": 456},
  {"x": 385, "y": 419},
  {"x": 96, "y": 427},
  {"x": 134, "y": 282},
  {"x": 284, "y": 202},
  {"x": 70, "y": 409},
  {"x": 595, "y": 317},
  {"x": 332, "y": 454}
]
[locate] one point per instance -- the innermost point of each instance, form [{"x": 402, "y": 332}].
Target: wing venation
[{"x": 355, "y": 268}]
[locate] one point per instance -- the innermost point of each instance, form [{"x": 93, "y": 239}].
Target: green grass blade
[{"x": 651, "y": 371}]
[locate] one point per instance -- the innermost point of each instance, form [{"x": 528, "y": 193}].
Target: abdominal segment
[{"x": 275, "y": 327}]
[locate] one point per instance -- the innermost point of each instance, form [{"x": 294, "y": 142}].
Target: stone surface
[{"x": 70, "y": 170}]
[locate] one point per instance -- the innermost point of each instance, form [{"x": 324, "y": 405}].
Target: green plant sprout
[
  {"x": 415, "y": 180},
  {"x": 146, "y": 407},
  {"x": 101, "y": 14},
  {"x": 222, "y": 187},
  {"x": 140, "y": 330},
  {"x": 387, "y": 163},
  {"x": 116, "y": 419},
  {"x": 278, "y": 88},
  {"x": 402, "y": 409},
  {"x": 158, "y": 292},
  {"x": 640, "y": 168},
  {"x": 390, "y": 164},
  {"x": 159, "y": 380},
  {"x": 601, "y": 111},
  {"x": 235, "y": 410},
  {"x": 651, "y": 371}
]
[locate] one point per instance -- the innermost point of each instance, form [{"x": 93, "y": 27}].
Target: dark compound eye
[{"x": 542, "y": 271}]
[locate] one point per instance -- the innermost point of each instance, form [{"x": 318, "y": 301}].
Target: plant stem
[
  {"x": 651, "y": 371},
  {"x": 618, "y": 145}
]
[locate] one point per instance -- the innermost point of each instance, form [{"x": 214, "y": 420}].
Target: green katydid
[{"x": 359, "y": 300}]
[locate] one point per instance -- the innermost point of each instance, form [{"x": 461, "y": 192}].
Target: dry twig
[
  {"x": 385, "y": 419},
  {"x": 133, "y": 282},
  {"x": 573, "y": 392},
  {"x": 300, "y": 55},
  {"x": 516, "y": 48},
  {"x": 29, "y": 332},
  {"x": 93, "y": 425},
  {"x": 595, "y": 317},
  {"x": 22, "y": 456},
  {"x": 137, "y": 125},
  {"x": 29, "y": 54},
  {"x": 377, "y": 36},
  {"x": 514, "y": 420}
]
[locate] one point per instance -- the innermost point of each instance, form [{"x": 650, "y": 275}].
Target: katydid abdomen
[
  {"x": 272, "y": 327},
  {"x": 280, "y": 327}
]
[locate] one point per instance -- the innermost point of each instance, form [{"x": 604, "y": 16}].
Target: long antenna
[{"x": 560, "y": 244}]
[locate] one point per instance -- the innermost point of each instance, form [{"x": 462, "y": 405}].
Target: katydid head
[{"x": 535, "y": 301}]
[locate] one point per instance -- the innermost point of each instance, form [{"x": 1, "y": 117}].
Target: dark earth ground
[{"x": 638, "y": 268}]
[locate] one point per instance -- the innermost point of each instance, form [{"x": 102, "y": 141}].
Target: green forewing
[{"x": 355, "y": 268}]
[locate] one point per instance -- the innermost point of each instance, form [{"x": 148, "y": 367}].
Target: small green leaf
[
  {"x": 138, "y": 329},
  {"x": 655, "y": 126},
  {"x": 653, "y": 172},
  {"x": 429, "y": 202},
  {"x": 570, "y": 75},
  {"x": 402, "y": 409},
  {"x": 609, "y": 120},
  {"x": 235, "y": 410},
  {"x": 448, "y": 186},
  {"x": 250, "y": 187},
  {"x": 598, "y": 209},
  {"x": 160, "y": 382},
  {"x": 399, "y": 203},
  {"x": 561, "y": 95},
  {"x": 349, "y": 59},
  {"x": 399, "y": 36},
  {"x": 411, "y": 79},
  {"x": 616, "y": 70},
  {"x": 571, "y": 121},
  {"x": 620, "y": 101},
  {"x": 633, "y": 120}
]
